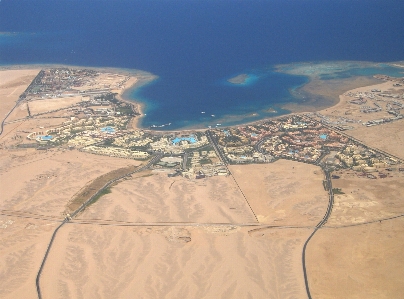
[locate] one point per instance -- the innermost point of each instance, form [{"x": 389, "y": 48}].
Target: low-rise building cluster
[
  {"x": 360, "y": 158},
  {"x": 292, "y": 137},
  {"x": 116, "y": 152}
]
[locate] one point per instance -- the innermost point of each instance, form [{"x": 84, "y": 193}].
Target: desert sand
[
  {"x": 22, "y": 246},
  {"x": 47, "y": 180},
  {"x": 174, "y": 262},
  {"x": 12, "y": 85},
  {"x": 367, "y": 200},
  {"x": 190, "y": 239},
  {"x": 155, "y": 197},
  {"x": 45, "y": 105},
  {"x": 358, "y": 262},
  {"x": 284, "y": 193},
  {"x": 358, "y": 253}
]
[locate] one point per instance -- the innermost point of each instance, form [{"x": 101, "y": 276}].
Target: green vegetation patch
[
  {"x": 337, "y": 191},
  {"x": 98, "y": 196},
  {"x": 205, "y": 161},
  {"x": 94, "y": 186}
]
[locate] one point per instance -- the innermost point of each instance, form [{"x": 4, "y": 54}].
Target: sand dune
[
  {"x": 169, "y": 262},
  {"x": 22, "y": 246},
  {"x": 49, "y": 179},
  {"x": 155, "y": 197}
]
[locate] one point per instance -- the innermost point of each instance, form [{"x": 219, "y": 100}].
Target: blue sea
[{"x": 194, "y": 47}]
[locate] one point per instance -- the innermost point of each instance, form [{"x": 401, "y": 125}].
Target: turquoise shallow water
[
  {"x": 260, "y": 96},
  {"x": 222, "y": 102}
]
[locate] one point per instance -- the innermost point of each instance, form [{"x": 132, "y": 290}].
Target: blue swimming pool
[
  {"x": 46, "y": 137},
  {"x": 108, "y": 130},
  {"x": 191, "y": 139}
]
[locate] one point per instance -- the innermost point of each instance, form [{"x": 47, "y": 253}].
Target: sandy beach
[{"x": 322, "y": 94}]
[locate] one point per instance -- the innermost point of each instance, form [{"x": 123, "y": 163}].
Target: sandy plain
[
  {"x": 364, "y": 261},
  {"x": 13, "y": 83},
  {"x": 160, "y": 237},
  {"x": 357, "y": 254},
  {"x": 284, "y": 193},
  {"x": 41, "y": 106}
]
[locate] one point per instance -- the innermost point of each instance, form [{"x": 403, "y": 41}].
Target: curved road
[
  {"x": 318, "y": 226},
  {"x": 82, "y": 207}
]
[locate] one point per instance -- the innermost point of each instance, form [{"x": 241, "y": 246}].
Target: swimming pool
[
  {"x": 108, "y": 130},
  {"x": 191, "y": 139}
]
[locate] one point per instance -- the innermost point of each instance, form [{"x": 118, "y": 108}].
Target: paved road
[
  {"x": 184, "y": 161},
  {"x": 82, "y": 207},
  {"x": 258, "y": 145},
  {"x": 21, "y": 98},
  {"x": 157, "y": 157},
  {"x": 8, "y": 114},
  {"x": 218, "y": 151},
  {"x": 318, "y": 226}
]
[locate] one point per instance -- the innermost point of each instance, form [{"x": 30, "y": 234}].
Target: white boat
[
  {"x": 213, "y": 115},
  {"x": 203, "y": 112}
]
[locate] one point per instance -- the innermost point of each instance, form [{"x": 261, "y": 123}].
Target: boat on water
[
  {"x": 203, "y": 112},
  {"x": 161, "y": 126},
  {"x": 213, "y": 115}
]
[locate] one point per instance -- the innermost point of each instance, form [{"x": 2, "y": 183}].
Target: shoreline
[
  {"x": 314, "y": 95},
  {"x": 135, "y": 122},
  {"x": 296, "y": 107},
  {"x": 139, "y": 78}
]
